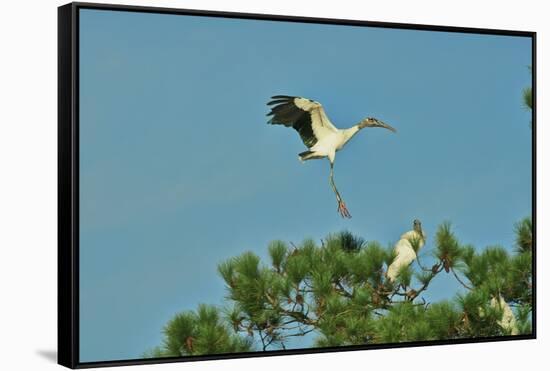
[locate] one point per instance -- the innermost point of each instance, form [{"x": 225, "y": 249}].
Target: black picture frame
[{"x": 68, "y": 179}]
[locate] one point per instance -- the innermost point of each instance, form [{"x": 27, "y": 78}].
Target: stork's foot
[{"x": 343, "y": 210}]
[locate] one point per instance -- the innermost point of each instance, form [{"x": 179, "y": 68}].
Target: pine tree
[
  {"x": 338, "y": 291},
  {"x": 201, "y": 332}
]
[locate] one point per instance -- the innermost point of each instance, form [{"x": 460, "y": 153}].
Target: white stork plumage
[
  {"x": 508, "y": 320},
  {"x": 404, "y": 251},
  {"x": 321, "y": 137}
]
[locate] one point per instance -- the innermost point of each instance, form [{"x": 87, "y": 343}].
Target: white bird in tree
[
  {"x": 321, "y": 137},
  {"x": 508, "y": 320},
  {"x": 404, "y": 250}
]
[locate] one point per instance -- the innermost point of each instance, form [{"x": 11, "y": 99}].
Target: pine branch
[
  {"x": 436, "y": 269},
  {"x": 460, "y": 281}
]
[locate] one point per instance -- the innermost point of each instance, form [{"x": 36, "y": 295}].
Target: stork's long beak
[{"x": 380, "y": 124}]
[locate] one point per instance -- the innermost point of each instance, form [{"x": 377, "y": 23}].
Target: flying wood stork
[
  {"x": 321, "y": 137},
  {"x": 404, "y": 250}
]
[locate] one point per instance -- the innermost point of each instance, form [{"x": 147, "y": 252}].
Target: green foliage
[
  {"x": 277, "y": 252},
  {"x": 524, "y": 317},
  {"x": 338, "y": 290},
  {"x": 499, "y": 273},
  {"x": 201, "y": 332},
  {"x": 480, "y": 319},
  {"x": 444, "y": 320},
  {"x": 349, "y": 242},
  {"x": 404, "y": 276},
  {"x": 524, "y": 235},
  {"x": 448, "y": 249}
]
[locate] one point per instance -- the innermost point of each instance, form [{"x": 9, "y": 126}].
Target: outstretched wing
[{"x": 306, "y": 116}]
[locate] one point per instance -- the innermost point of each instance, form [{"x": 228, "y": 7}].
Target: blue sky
[{"x": 179, "y": 171}]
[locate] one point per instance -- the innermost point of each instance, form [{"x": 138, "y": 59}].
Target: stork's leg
[
  {"x": 333, "y": 185},
  {"x": 342, "y": 209}
]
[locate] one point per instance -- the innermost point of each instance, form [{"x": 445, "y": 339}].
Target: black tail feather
[
  {"x": 304, "y": 154},
  {"x": 309, "y": 155}
]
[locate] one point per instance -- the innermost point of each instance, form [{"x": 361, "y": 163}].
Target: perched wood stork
[
  {"x": 404, "y": 251},
  {"x": 321, "y": 137},
  {"x": 508, "y": 320}
]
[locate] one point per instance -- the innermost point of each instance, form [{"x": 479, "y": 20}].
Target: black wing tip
[
  {"x": 279, "y": 99},
  {"x": 282, "y": 97},
  {"x": 272, "y": 121}
]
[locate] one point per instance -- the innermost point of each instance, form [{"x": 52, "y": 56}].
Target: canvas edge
[
  {"x": 300, "y": 19},
  {"x": 68, "y": 322},
  {"x": 534, "y": 179},
  {"x": 67, "y": 268}
]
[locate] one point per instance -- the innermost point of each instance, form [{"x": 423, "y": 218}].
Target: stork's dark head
[
  {"x": 417, "y": 226},
  {"x": 371, "y": 122}
]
